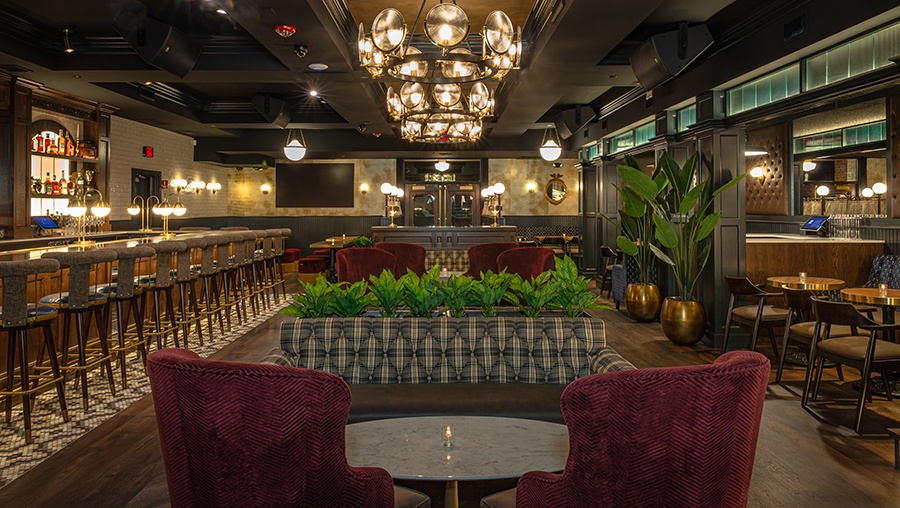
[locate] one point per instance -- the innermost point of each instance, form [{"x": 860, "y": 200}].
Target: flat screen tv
[{"x": 314, "y": 186}]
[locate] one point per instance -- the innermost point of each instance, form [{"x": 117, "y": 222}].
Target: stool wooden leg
[
  {"x": 170, "y": 315},
  {"x": 23, "y": 371},
  {"x": 103, "y": 333},
  {"x": 182, "y": 308},
  {"x": 10, "y": 370},
  {"x": 157, "y": 321},
  {"x": 82, "y": 358},
  {"x": 226, "y": 287},
  {"x": 54, "y": 368},
  {"x": 192, "y": 289},
  {"x": 64, "y": 354},
  {"x": 121, "y": 326}
]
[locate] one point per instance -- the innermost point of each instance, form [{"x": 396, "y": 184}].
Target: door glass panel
[
  {"x": 461, "y": 208},
  {"x": 423, "y": 208}
]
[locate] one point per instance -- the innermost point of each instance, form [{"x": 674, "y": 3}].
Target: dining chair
[
  {"x": 863, "y": 350},
  {"x": 612, "y": 257},
  {"x": 526, "y": 262},
  {"x": 800, "y": 326},
  {"x": 674, "y": 437},
  {"x": 356, "y": 264},
  {"x": 240, "y": 434},
  {"x": 483, "y": 257},
  {"x": 409, "y": 256},
  {"x": 755, "y": 316}
]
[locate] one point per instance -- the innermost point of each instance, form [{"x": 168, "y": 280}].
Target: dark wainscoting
[
  {"x": 310, "y": 229},
  {"x": 871, "y": 229}
]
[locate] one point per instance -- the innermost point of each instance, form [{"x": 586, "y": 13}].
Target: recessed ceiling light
[
  {"x": 221, "y": 11},
  {"x": 318, "y": 66},
  {"x": 148, "y": 82},
  {"x": 313, "y": 93}
]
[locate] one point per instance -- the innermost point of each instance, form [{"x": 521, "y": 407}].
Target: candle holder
[
  {"x": 803, "y": 277},
  {"x": 882, "y": 289},
  {"x": 447, "y": 433}
]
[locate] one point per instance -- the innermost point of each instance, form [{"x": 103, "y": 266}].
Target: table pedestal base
[{"x": 451, "y": 494}]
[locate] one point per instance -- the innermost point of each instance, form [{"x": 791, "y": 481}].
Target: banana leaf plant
[
  {"x": 636, "y": 222},
  {"x": 683, "y": 219}
]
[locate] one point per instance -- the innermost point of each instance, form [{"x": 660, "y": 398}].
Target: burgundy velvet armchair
[
  {"x": 527, "y": 262},
  {"x": 356, "y": 264},
  {"x": 237, "y": 434},
  {"x": 409, "y": 256},
  {"x": 674, "y": 437},
  {"x": 483, "y": 257}
]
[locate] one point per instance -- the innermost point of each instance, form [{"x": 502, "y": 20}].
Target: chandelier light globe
[
  {"x": 822, "y": 190},
  {"x": 412, "y": 94},
  {"x": 879, "y": 188},
  {"x": 442, "y": 165},
  {"x": 499, "y": 188},
  {"x": 294, "y": 150},
  {"x": 446, "y": 25},
  {"x": 550, "y": 151},
  {"x": 399, "y": 192},
  {"x": 808, "y": 166},
  {"x": 459, "y": 68},
  {"x": 134, "y": 209},
  {"x": 867, "y": 192},
  {"x": 413, "y": 68},
  {"x": 484, "y": 192},
  {"x": 386, "y": 188},
  {"x": 388, "y": 30},
  {"x": 446, "y": 95},
  {"x": 498, "y": 32}
]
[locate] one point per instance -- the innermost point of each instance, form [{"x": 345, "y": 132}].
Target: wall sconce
[
  {"x": 822, "y": 191},
  {"x": 879, "y": 188},
  {"x": 531, "y": 187},
  {"x": 758, "y": 172},
  {"x": 753, "y": 150},
  {"x": 551, "y": 148},
  {"x": 197, "y": 186},
  {"x": 295, "y": 147},
  {"x": 214, "y": 187},
  {"x": 177, "y": 184},
  {"x": 492, "y": 200},
  {"x": 265, "y": 188},
  {"x": 363, "y": 188}
]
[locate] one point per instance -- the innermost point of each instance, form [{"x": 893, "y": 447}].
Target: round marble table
[{"x": 483, "y": 447}]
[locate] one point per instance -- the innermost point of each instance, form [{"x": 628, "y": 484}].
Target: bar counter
[
  {"x": 444, "y": 238},
  {"x": 773, "y": 255},
  {"x": 55, "y": 242}
]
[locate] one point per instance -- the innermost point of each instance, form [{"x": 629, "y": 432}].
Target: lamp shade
[
  {"x": 295, "y": 148},
  {"x": 442, "y": 165},
  {"x": 133, "y": 209},
  {"x": 100, "y": 209},
  {"x": 550, "y": 147},
  {"x": 867, "y": 192},
  {"x": 822, "y": 190},
  {"x": 879, "y": 188}
]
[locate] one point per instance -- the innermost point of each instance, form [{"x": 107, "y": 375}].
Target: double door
[{"x": 443, "y": 205}]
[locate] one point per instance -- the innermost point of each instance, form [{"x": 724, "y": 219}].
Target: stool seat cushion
[
  {"x": 36, "y": 313},
  {"x": 61, "y": 300},
  {"x": 110, "y": 290}
]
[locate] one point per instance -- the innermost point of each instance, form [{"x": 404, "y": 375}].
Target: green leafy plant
[
  {"x": 387, "y": 291},
  {"x": 315, "y": 300},
  {"x": 422, "y": 294},
  {"x": 359, "y": 241},
  {"x": 684, "y": 220},
  {"x": 456, "y": 292},
  {"x": 351, "y": 300},
  {"x": 636, "y": 218},
  {"x": 531, "y": 296},
  {"x": 489, "y": 292},
  {"x": 572, "y": 295}
]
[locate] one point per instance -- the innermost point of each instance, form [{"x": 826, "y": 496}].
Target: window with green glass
[
  {"x": 621, "y": 142},
  {"x": 858, "y": 56},
  {"x": 839, "y": 138},
  {"x": 770, "y": 88},
  {"x": 685, "y": 117}
]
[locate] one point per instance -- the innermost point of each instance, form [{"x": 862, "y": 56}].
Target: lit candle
[
  {"x": 882, "y": 289},
  {"x": 332, "y": 241},
  {"x": 802, "y": 276},
  {"x": 448, "y": 436}
]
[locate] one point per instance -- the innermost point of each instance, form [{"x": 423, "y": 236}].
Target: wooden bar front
[{"x": 848, "y": 260}]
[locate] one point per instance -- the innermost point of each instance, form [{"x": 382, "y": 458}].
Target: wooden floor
[{"x": 804, "y": 459}]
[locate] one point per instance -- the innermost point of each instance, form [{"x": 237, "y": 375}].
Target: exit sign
[{"x": 148, "y": 151}]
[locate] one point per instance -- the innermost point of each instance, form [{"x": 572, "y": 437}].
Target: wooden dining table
[{"x": 333, "y": 244}]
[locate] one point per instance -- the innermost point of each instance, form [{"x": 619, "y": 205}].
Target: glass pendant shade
[
  {"x": 457, "y": 69},
  {"x": 442, "y": 165},
  {"x": 809, "y": 166},
  {"x": 879, "y": 188},
  {"x": 295, "y": 149},
  {"x": 446, "y": 25},
  {"x": 550, "y": 147},
  {"x": 498, "y": 32},
  {"x": 133, "y": 210},
  {"x": 178, "y": 210},
  {"x": 447, "y": 95},
  {"x": 76, "y": 208},
  {"x": 100, "y": 209},
  {"x": 411, "y": 94}
]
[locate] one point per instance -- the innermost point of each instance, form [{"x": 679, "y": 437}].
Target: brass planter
[
  {"x": 683, "y": 322},
  {"x": 642, "y": 302}
]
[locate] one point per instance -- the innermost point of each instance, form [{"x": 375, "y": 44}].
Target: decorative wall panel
[{"x": 769, "y": 194}]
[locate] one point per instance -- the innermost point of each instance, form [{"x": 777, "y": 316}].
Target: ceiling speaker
[
  {"x": 158, "y": 43},
  {"x": 664, "y": 55},
  {"x": 275, "y": 111}
]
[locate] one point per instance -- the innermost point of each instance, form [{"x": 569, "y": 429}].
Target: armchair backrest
[
  {"x": 356, "y": 264},
  {"x": 527, "y": 262},
  {"x": 483, "y": 257},
  {"x": 410, "y": 256},
  {"x": 675, "y": 437},
  {"x": 236, "y": 434}
]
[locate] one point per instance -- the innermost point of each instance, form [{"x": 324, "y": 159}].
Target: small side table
[{"x": 895, "y": 435}]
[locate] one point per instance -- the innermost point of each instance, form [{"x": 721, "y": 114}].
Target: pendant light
[
  {"x": 550, "y": 145},
  {"x": 442, "y": 165},
  {"x": 295, "y": 148}
]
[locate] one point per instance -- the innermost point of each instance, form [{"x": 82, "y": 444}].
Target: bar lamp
[{"x": 879, "y": 188}]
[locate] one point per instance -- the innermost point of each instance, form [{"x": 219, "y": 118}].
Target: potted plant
[
  {"x": 422, "y": 294},
  {"x": 387, "y": 291},
  {"x": 350, "y": 300},
  {"x": 315, "y": 300},
  {"x": 637, "y": 227},
  {"x": 456, "y": 292},
  {"x": 684, "y": 222},
  {"x": 531, "y": 296},
  {"x": 572, "y": 295},
  {"x": 489, "y": 293}
]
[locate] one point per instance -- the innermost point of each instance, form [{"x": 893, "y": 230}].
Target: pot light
[
  {"x": 67, "y": 43},
  {"x": 318, "y": 67},
  {"x": 313, "y": 93}
]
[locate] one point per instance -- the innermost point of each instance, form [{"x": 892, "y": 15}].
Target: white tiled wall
[{"x": 173, "y": 156}]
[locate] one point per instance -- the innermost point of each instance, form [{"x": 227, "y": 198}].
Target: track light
[{"x": 67, "y": 43}]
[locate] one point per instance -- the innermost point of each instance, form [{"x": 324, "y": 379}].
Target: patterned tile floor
[{"x": 51, "y": 434}]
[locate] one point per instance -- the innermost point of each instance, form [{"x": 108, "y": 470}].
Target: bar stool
[
  {"x": 262, "y": 252},
  {"x": 79, "y": 301},
  {"x": 234, "y": 228},
  {"x": 279, "y": 247},
  {"x": 249, "y": 285},
  {"x": 161, "y": 283},
  {"x": 209, "y": 276},
  {"x": 186, "y": 277},
  {"x": 19, "y": 316},
  {"x": 126, "y": 290},
  {"x": 229, "y": 272},
  {"x": 270, "y": 262}
]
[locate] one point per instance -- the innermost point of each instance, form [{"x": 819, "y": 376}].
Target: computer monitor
[
  {"x": 46, "y": 223},
  {"x": 815, "y": 224}
]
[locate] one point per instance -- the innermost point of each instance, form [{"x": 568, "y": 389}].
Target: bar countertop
[
  {"x": 788, "y": 238},
  {"x": 7, "y": 245}
]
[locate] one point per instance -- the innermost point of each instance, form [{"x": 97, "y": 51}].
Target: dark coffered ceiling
[{"x": 576, "y": 58}]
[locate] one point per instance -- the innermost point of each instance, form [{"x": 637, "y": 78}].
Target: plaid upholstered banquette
[{"x": 449, "y": 350}]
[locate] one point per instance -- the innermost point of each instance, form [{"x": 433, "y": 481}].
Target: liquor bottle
[
  {"x": 35, "y": 144},
  {"x": 49, "y": 146},
  {"x": 63, "y": 190},
  {"x": 79, "y": 184},
  {"x": 54, "y": 185},
  {"x": 70, "y": 147},
  {"x": 71, "y": 185},
  {"x": 48, "y": 184}
]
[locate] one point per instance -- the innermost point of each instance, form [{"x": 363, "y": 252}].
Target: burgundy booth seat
[
  {"x": 673, "y": 437},
  {"x": 311, "y": 265},
  {"x": 356, "y": 264},
  {"x": 483, "y": 257},
  {"x": 322, "y": 253},
  {"x": 526, "y": 262},
  {"x": 290, "y": 255},
  {"x": 409, "y": 256},
  {"x": 239, "y": 434}
]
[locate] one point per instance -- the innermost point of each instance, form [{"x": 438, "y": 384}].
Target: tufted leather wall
[
  {"x": 770, "y": 194},
  {"x": 894, "y": 154}
]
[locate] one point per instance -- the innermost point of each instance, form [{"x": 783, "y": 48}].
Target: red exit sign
[{"x": 148, "y": 151}]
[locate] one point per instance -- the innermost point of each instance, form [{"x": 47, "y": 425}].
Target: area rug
[{"x": 51, "y": 434}]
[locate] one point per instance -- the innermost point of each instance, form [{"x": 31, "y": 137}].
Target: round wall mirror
[{"x": 555, "y": 191}]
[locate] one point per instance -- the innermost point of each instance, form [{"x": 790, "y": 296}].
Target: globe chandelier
[{"x": 432, "y": 105}]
